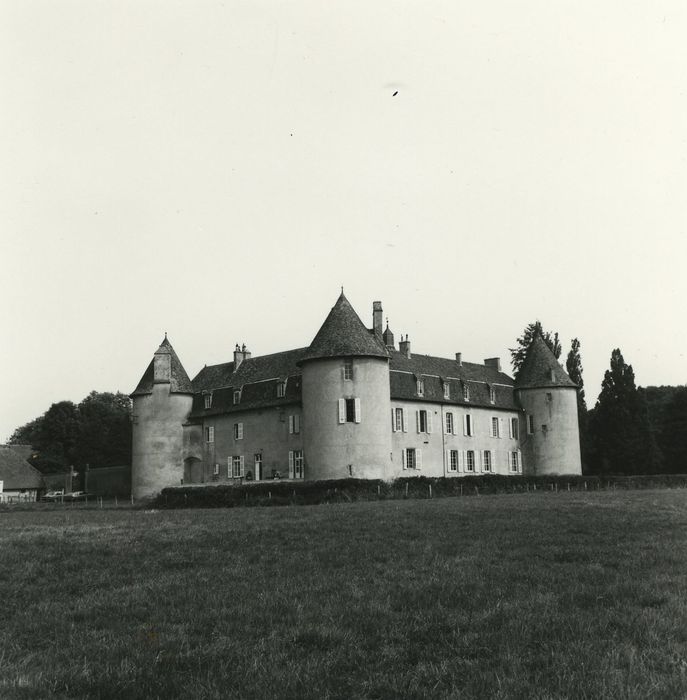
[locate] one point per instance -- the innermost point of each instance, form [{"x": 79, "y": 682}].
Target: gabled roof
[
  {"x": 179, "y": 381},
  {"x": 437, "y": 370},
  {"x": 541, "y": 369},
  {"x": 17, "y": 473},
  {"x": 343, "y": 334}
]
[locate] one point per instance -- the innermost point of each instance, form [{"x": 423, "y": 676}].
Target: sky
[{"x": 219, "y": 170}]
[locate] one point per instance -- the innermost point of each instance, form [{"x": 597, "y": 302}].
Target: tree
[
  {"x": 573, "y": 366},
  {"x": 525, "y": 340},
  {"x": 104, "y": 430},
  {"x": 619, "y": 426},
  {"x": 673, "y": 434},
  {"x": 56, "y": 437}
]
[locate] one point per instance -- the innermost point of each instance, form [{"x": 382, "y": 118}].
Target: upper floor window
[
  {"x": 449, "y": 423},
  {"x": 468, "y": 425},
  {"x": 207, "y": 400},
  {"x": 281, "y": 389},
  {"x": 238, "y": 431},
  {"x": 398, "y": 420},
  {"x": 466, "y": 392},
  {"x": 549, "y": 396},
  {"x": 424, "y": 421},
  {"x": 349, "y": 410},
  {"x": 294, "y": 424},
  {"x": 209, "y": 433},
  {"x": 530, "y": 424},
  {"x": 514, "y": 428},
  {"x": 237, "y": 396},
  {"x": 348, "y": 369},
  {"x": 495, "y": 432}
]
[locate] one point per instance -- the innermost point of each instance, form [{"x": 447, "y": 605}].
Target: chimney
[
  {"x": 459, "y": 359},
  {"x": 404, "y": 346},
  {"x": 377, "y": 318},
  {"x": 162, "y": 365},
  {"x": 240, "y": 354},
  {"x": 494, "y": 363}
]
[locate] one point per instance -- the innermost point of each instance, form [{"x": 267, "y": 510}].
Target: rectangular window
[
  {"x": 424, "y": 421},
  {"x": 467, "y": 425},
  {"x": 349, "y": 410},
  {"x": 514, "y": 428},
  {"x": 420, "y": 386},
  {"x": 410, "y": 461},
  {"x": 398, "y": 420},
  {"x": 209, "y": 434},
  {"x": 466, "y": 392},
  {"x": 549, "y": 396},
  {"x": 449, "y": 423},
  {"x": 215, "y": 470},
  {"x": 470, "y": 461},
  {"x": 257, "y": 462},
  {"x": 530, "y": 424},
  {"x": 514, "y": 461},
  {"x": 294, "y": 424},
  {"x": 447, "y": 390},
  {"x": 495, "y": 427},
  {"x": 281, "y": 389},
  {"x": 296, "y": 464},
  {"x": 238, "y": 431},
  {"x": 237, "y": 397},
  {"x": 237, "y": 467},
  {"x": 486, "y": 460},
  {"x": 453, "y": 461},
  {"x": 348, "y": 369},
  {"x": 208, "y": 400},
  {"x": 492, "y": 395}
]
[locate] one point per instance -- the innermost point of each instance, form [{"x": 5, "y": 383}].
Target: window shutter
[
  {"x": 342, "y": 410},
  {"x": 290, "y": 425},
  {"x": 405, "y": 420},
  {"x": 240, "y": 431},
  {"x": 417, "y": 420},
  {"x": 241, "y": 472},
  {"x": 510, "y": 429},
  {"x": 296, "y": 424},
  {"x": 403, "y": 459},
  {"x": 519, "y": 461},
  {"x": 508, "y": 460},
  {"x": 418, "y": 458},
  {"x": 483, "y": 458},
  {"x": 357, "y": 410},
  {"x": 465, "y": 425},
  {"x": 461, "y": 460},
  {"x": 447, "y": 462},
  {"x": 228, "y": 467},
  {"x": 500, "y": 427},
  {"x": 290, "y": 464},
  {"x": 446, "y": 420},
  {"x": 429, "y": 421},
  {"x": 479, "y": 464},
  {"x": 393, "y": 420}
]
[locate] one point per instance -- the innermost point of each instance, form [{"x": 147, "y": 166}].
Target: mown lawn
[{"x": 524, "y": 596}]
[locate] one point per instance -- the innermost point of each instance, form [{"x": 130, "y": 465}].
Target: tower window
[
  {"x": 348, "y": 369},
  {"x": 530, "y": 424},
  {"x": 549, "y": 396},
  {"x": 209, "y": 433},
  {"x": 349, "y": 410}
]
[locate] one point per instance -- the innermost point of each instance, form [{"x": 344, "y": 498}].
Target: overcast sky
[{"x": 217, "y": 170}]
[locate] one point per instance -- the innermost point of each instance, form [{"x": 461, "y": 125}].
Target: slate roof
[
  {"x": 479, "y": 378},
  {"x": 257, "y": 379},
  {"x": 343, "y": 334},
  {"x": 17, "y": 473},
  {"x": 536, "y": 371},
  {"x": 179, "y": 384}
]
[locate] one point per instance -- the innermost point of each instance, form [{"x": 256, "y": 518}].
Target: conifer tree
[
  {"x": 531, "y": 331},
  {"x": 573, "y": 366}
]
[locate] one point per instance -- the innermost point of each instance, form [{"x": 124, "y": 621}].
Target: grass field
[{"x": 524, "y": 596}]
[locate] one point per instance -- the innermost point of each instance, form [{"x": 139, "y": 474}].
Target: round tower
[
  {"x": 161, "y": 404},
  {"x": 550, "y": 440},
  {"x": 345, "y": 397}
]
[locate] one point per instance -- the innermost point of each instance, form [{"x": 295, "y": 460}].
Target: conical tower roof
[
  {"x": 343, "y": 334},
  {"x": 179, "y": 381},
  {"x": 541, "y": 369}
]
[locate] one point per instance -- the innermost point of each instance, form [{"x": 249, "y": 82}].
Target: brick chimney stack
[{"x": 377, "y": 318}]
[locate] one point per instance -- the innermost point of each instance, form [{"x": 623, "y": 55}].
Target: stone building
[{"x": 352, "y": 403}]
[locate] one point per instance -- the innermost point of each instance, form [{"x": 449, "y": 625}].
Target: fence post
[
  {"x": 378, "y": 490},
  {"x": 430, "y": 490},
  {"x": 406, "y": 489}
]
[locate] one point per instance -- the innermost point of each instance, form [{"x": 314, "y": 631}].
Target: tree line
[
  {"x": 95, "y": 432},
  {"x": 630, "y": 430}
]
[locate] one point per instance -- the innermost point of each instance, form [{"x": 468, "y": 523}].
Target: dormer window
[
  {"x": 466, "y": 392},
  {"x": 237, "y": 397},
  {"x": 447, "y": 390},
  {"x": 281, "y": 389},
  {"x": 348, "y": 369},
  {"x": 492, "y": 395},
  {"x": 420, "y": 386},
  {"x": 208, "y": 400}
]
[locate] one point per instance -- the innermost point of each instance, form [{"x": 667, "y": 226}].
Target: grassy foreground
[{"x": 524, "y": 596}]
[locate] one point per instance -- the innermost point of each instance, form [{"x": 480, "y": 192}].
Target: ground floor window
[
  {"x": 470, "y": 461},
  {"x": 257, "y": 461},
  {"x": 453, "y": 461},
  {"x": 486, "y": 460},
  {"x": 412, "y": 458},
  {"x": 235, "y": 467},
  {"x": 515, "y": 461},
  {"x": 296, "y": 464}
]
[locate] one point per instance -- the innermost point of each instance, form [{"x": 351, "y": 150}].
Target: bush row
[{"x": 276, "y": 493}]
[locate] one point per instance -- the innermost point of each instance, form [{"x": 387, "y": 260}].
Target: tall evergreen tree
[
  {"x": 531, "y": 331},
  {"x": 573, "y": 366},
  {"x": 619, "y": 427},
  {"x": 673, "y": 435}
]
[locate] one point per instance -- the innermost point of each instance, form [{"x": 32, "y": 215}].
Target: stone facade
[{"x": 350, "y": 404}]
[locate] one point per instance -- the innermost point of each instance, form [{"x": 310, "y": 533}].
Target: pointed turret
[
  {"x": 388, "y": 337},
  {"x": 343, "y": 334},
  {"x": 165, "y": 368},
  {"x": 541, "y": 369}
]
